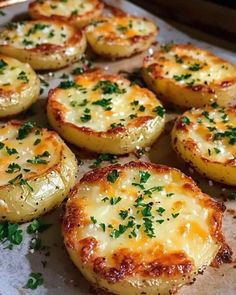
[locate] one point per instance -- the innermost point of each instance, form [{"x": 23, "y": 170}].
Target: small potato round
[
  {"x": 120, "y": 36},
  {"x": 105, "y": 113},
  {"x": 142, "y": 228},
  {"x": 45, "y": 45},
  {"x": 37, "y": 171},
  {"x": 76, "y": 12},
  {"x": 19, "y": 86},
  {"x": 188, "y": 76},
  {"x": 206, "y": 138}
]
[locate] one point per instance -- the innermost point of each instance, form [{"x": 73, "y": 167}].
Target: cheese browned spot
[
  {"x": 120, "y": 36},
  {"x": 206, "y": 138},
  {"x": 190, "y": 77},
  {"x": 19, "y": 86},
  {"x": 44, "y": 44},
  {"x": 37, "y": 171},
  {"x": 142, "y": 228},
  {"x": 78, "y": 12},
  {"x": 105, "y": 113}
]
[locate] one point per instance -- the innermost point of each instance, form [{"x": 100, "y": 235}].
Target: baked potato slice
[
  {"x": 19, "y": 86},
  {"x": 142, "y": 228},
  {"x": 76, "y": 12},
  {"x": 206, "y": 138},
  {"x": 120, "y": 36},
  {"x": 188, "y": 76},
  {"x": 105, "y": 113},
  {"x": 44, "y": 44},
  {"x": 37, "y": 171}
]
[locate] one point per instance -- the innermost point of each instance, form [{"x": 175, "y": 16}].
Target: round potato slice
[
  {"x": 105, "y": 113},
  {"x": 19, "y": 86},
  {"x": 120, "y": 36},
  {"x": 77, "y": 12},
  {"x": 37, "y": 171},
  {"x": 206, "y": 138},
  {"x": 43, "y": 44},
  {"x": 190, "y": 77},
  {"x": 142, "y": 228}
]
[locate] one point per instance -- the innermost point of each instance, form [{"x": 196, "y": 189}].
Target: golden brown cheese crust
[
  {"x": 48, "y": 10},
  {"x": 19, "y": 86},
  {"x": 105, "y": 113},
  {"x": 206, "y": 139},
  {"x": 121, "y": 36},
  {"x": 190, "y": 77},
  {"x": 124, "y": 263},
  {"x": 44, "y": 44},
  {"x": 37, "y": 171}
]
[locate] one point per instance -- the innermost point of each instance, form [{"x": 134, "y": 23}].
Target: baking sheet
[{"x": 60, "y": 275}]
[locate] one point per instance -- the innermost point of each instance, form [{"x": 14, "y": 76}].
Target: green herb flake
[
  {"x": 94, "y": 221},
  {"x": 181, "y": 77},
  {"x": 13, "y": 167},
  {"x": 37, "y": 141},
  {"x": 160, "y": 111},
  {"x": 37, "y": 226},
  {"x": 195, "y": 67},
  {"x": 185, "y": 120},
  {"x": 103, "y": 226},
  {"x": 35, "y": 280},
  {"x": 11, "y": 151},
  {"x": 144, "y": 176},
  {"x": 160, "y": 210},
  {"x": 123, "y": 214},
  {"x": 25, "y": 130},
  {"x": 174, "y": 215},
  {"x": 108, "y": 87},
  {"x": 105, "y": 103},
  {"x": 112, "y": 176},
  {"x": 114, "y": 200}
]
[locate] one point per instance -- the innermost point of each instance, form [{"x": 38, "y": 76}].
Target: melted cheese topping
[
  {"x": 103, "y": 102},
  {"x": 30, "y": 34},
  {"x": 213, "y": 130},
  {"x": 27, "y": 157},
  {"x": 170, "y": 219},
  {"x": 120, "y": 29},
  {"x": 66, "y": 8},
  {"x": 14, "y": 75},
  {"x": 190, "y": 65}
]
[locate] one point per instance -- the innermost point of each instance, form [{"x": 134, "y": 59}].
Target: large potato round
[
  {"x": 37, "y": 171},
  {"x": 120, "y": 36},
  {"x": 190, "y": 77},
  {"x": 105, "y": 113},
  {"x": 206, "y": 138},
  {"x": 19, "y": 86},
  {"x": 77, "y": 12},
  {"x": 43, "y": 44},
  {"x": 142, "y": 228}
]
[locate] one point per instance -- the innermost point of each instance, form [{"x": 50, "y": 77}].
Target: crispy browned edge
[
  {"x": 98, "y": 7},
  {"x": 158, "y": 74},
  {"x": 58, "y": 109},
  {"x": 48, "y": 48},
  {"x": 170, "y": 265},
  {"x": 191, "y": 145},
  {"x": 51, "y": 134}
]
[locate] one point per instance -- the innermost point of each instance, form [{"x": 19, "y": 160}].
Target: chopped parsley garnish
[
  {"x": 207, "y": 116},
  {"x": 115, "y": 125},
  {"x": 174, "y": 215},
  {"x": 185, "y": 120},
  {"x": 182, "y": 77},
  {"x": 105, "y": 103},
  {"x": 22, "y": 76},
  {"x": 114, "y": 200},
  {"x": 13, "y": 167},
  {"x": 123, "y": 214},
  {"x": 160, "y": 210},
  {"x": 78, "y": 71},
  {"x": 38, "y": 159},
  {"x": 37, "y": 226},
  {"x": 144, "y": 176},
  {"x": 153, "y": 189},
  {"x": 25, "y": 130},
  {"x": 178, "y": 59},
  {"x": 27, "y": 42},
  {"x": 160, "y": 111},
  {"x": 10, "y": 232},
  {"x": 108, "y": 87},
  {"x": 37, "y": 141},
  {"x": 1, "y": 145},
  {"x": 2, "y": 13},
  {"x": 35, "y": 280},
  {"x": 103, "y": 158},
  {"x": 230, "y": 134},
  {"x": 149, "y": 230},
  {"x": 195, "y": 67},
  {"x": 103, "y": 226},
  {"x": 3, "y": 66},
  {"x": 217, "y": 151},
  {"x": 67, "y": 84},
  {"x": 15, "y": 180},
  {"x": 86, "y": 116},
  {"x": 112, "y": 176},
  {"x": 25, "y": 182},
  {"x": 232, "y": 196},
  {"x": 122, "y": 29},
  {"x": 167, "y": 47},
  {"x": 11, "y": 151},
  {"x": 35, "y": 28},
  {"x": 94, "y": 221}
]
